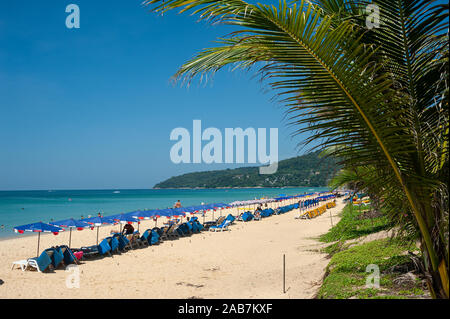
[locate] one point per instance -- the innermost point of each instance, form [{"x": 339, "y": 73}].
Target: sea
[{"x": 25, "y": 207}]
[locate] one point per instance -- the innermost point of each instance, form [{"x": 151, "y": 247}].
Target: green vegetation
[
  {"x": 374, "y": 96},
  {"x": 346, "y": 272},
  {"x": 354, "y": 224},
  {"x": 306, "y": 170}
]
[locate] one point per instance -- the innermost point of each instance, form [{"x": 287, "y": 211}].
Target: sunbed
[
  {"x": 124, "y": 243},
  {"x": 155, "y": 237},
  {"x": 221, "y": 227},
  {"x": 164, "y": 231},
  {"x": 172, "y": 233},
  {"x": 134, "y": 240},
  {"x": 56, "y": 256},
  {"x": 216, "y": 222},
  {"x": 247, "y": 216},
  {"x": 69, "y": 257},
  {"x": 104, "y": 247},
  {"x": 41, "y": 263},
  {"x": 145, "y": 237},
  {"x": 113, "y": 243},
  {"x": 100, "y": 249},
  {"x": 231, "y": 218}
]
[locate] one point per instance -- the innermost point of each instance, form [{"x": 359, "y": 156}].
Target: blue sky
[{"x": 93, "y": 107}]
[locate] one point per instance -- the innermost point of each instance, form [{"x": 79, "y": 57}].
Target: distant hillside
[{"x": 305, "y": 170}]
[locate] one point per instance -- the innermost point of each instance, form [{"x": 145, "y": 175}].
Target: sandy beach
[{"x": 244, "y": 262}]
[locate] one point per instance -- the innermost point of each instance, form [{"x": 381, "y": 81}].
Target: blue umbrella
[
  {"x": 38, "y": 228},
  {"x": 71, "y": 223},
  {"x": 178, "y": 211},
  {"x": 98, "y": 221},
  {"x": 164, "y": 212},
  {"x": 142, "y": 214},
  {"x": 167, "y": 212},
  {"x": 124, "y": 219}
]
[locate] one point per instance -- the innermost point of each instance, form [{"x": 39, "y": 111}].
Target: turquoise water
[{"x": 24, "y": 207}]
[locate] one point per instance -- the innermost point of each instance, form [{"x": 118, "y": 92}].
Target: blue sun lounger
[
  {"x": 124, "y": 243},
  {"x": 144, "y": 240},
  {"x": 113, "y": 243},
  {"x": 155, "y": 237},
  {"x": 104, "y": 247},
  {"x": 231, "y": 218},
  {"x": 221, "y": 227},
  {"x": 41, "y": 263},
  {"x": 247, "y": 216},
  {"x": 56, "y": 256},
  {"x": 69, "y": 257}
]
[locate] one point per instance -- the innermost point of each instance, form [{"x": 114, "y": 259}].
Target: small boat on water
[{"x": 116, "y": 192}]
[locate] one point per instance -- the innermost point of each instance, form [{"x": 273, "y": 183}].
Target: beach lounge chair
[
  {"x": 41, "y": 263},
  {"x": 231, "y": 218},
  {"x": 221, "y": 227},
  {"x": 113, "y": 243},
  {"x": 164, "y": 231},
  {"x": 157, "y": 230},
  {"x": 69, "y": 257},
  {"x": 23, "y": 264},
  {"x": 247, "y": 216},
  {"x": 182, "y": 230},
  {"x": 143, "y": 241},
  {"x": 155, "y": 237},
  {"x": 104, "y": 247},
  {"x": 193, "y": 226},
  {"x": 124, "y": 243},
  {"x": 56, "y": 256},
  {"x": 90, "y": 251},
  {"x": 172, "y": 232},
  {"x": 134, "y": 240}
]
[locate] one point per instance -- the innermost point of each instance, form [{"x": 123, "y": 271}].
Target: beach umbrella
[
  {"x": 98, "y": 221},
  {"x": 157, "y": 213},
  {"x": 139, "y": 215},
  {"x": 210, "y": 207},
  {"x": 71, "y": 223},
  {"x": 149, "y": 214},
  {"x": 220, "y": 206},
  {"x": 38, "y": 228},
  {"x": 142, "y": 214},
  {"x": 179, "y": 211}
]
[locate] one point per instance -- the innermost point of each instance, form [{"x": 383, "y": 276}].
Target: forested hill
[{"x": 305, "y": 170}]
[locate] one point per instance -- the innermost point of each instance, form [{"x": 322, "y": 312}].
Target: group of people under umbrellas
[{"x": 128, "y": 230}]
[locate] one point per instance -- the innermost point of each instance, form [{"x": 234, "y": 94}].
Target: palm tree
[{"x": 378, "y": 97}]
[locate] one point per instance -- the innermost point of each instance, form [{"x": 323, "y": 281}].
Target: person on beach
[
  {"x": 128, "y": 231},
  {"x": 177, "y": 204},
  {"x": 99, "y": 215}
]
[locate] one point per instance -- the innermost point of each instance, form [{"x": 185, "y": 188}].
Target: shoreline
[{"x": 244, "y": 262}]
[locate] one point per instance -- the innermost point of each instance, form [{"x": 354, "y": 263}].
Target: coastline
[{"x": 244, "y": 262}]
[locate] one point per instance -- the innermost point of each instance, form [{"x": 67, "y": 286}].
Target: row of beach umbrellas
[
  {"x": 133, "y": 217},
  {"x": 127, "y": 218}
]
